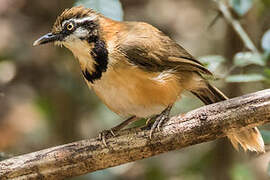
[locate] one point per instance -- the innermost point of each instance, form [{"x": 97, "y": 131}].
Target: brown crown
[{"x": 74, "y": 12}]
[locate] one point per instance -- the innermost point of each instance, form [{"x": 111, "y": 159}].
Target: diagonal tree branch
[{"x": 201, "y": 125}]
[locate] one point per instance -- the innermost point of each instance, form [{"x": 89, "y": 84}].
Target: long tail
[{"x": 249, "y": 139}]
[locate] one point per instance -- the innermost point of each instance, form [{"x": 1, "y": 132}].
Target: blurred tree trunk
[{"x": 65, "y": 117}]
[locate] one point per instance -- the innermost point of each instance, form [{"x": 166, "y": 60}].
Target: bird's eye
[{"x": 70, "y": 26}]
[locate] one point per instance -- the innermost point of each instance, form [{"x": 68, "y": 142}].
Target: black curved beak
[{"x": 47, "y": 38}]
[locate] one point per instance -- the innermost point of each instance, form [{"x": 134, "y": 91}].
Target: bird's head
[{"x": 73, "y": 25}]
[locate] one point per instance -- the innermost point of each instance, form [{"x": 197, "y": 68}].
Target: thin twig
[{"x": 236, "y": 26}]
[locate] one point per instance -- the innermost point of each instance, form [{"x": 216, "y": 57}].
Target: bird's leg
[
  {"x": 160, "y": 119},
  {"x": 112, "y": 131}
]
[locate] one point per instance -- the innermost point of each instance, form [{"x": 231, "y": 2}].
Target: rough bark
[{"x": 201, "y": 125}]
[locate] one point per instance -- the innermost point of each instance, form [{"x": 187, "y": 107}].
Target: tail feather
[
  {"x": 253, "y": 136},
  {"x": 248, "y": 139}
]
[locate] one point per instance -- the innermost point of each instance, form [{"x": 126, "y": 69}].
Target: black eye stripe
[{"x": 88, "y": 25}]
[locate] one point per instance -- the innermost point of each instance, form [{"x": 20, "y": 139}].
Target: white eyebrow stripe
[{"x": 91, "y": 18}]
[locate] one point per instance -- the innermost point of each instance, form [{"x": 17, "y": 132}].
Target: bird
[{"x": 136, "y": 70}]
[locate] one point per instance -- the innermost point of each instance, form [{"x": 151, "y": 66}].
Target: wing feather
[{"x": 150, "y": 49}]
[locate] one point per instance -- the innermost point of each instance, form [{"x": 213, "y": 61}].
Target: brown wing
[{"x": 150, "y": 49}]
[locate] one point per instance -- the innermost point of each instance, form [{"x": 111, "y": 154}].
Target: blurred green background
[{"x": 45, "y": 102}]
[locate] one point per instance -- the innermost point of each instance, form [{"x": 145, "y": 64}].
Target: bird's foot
[
  {"x": 160, "y": 120},
  {"x": 112, "y": 132},
  {"x": 103, "y": 135}
]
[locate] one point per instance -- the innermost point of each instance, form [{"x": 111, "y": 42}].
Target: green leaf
[
  {"x": 265, "y": 136},
  {"x": 245, "y": 78},
  {"x": 212, "y": 62},
  {"x": 242, "y": 59},
  {"x": 241, "y": 7},
  {"x": 109, "y": 8},
  {"x": 241, "y": 171},
  {"x": 266, "y": 3},
  {"x": 45, "y": 107},
  {"x": 266, "y": 41},
  {"x": 267, "y": 72}
]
